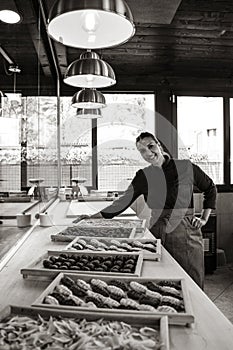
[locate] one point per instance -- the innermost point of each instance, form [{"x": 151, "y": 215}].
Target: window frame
[
  {"x": 227, "y": 186},
  {"x": 95, "y": 135}
]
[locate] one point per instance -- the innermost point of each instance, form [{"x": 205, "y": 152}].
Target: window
[
  {"x": 10, "y": 150},
  {"x": 125, "y": 116},
  {"x": 76, "y": 145},
  {"x": 35, "y": 141},
  {"x": 200, "y": 133},
  {"x": 28, "y": 143}
]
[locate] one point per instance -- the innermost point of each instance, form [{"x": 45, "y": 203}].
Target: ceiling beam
[
  {"x": 30, "y": 17},
  {"x": 52, "y": 51},
  {"x": 61, "y": 52},
  {"x": 154, "y": 11}
]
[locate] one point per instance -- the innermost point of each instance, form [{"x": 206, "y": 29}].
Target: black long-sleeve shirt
[{"x": 169, "y": 187}]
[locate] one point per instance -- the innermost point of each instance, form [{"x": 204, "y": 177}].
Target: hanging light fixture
[
  {"x": 91, "y": 23},
  {"x": 9, "y": 16},
  {"x": 9, "y": 12},
  {"x": 89, "y": 71},
  {"x": 88, "y": 113},
  {"x": 88, "y": 98}
]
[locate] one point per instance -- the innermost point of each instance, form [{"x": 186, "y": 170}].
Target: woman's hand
[
  {"x": 198, "y": 222},
  {"x": 85, "y": 216},
  {"x": 81, "y": 217}
]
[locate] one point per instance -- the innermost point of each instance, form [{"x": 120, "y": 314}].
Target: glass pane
[
  {"x": 10, "y": 124},
  {"x": 76, "y": 145},
  {"x": 125, "y": 116},
  {"x": 28, "y": 140},
  {"x": 40, "y": 140},
  {"x": 200, "y": 133}
]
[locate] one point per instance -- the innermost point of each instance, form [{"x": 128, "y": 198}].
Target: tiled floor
[{"x": 219, "y": 288}]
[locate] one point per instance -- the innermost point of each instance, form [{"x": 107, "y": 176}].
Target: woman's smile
[{"x": 151, "y": 151}]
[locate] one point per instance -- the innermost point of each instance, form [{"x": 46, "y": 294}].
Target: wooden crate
[
  {"x": 157, "y": 322},
  {"x": 147, "y": 255},
  {"x": 179, "y": 318},
  {"x": 115, "y": 222},
  {"x": 37, "y": 268},
  {"x": 71, "y": 232}
]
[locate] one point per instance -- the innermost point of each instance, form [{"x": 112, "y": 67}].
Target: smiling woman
[{"x": 167, "y": 186}]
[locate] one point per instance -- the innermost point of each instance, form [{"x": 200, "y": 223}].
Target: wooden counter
[{"x": 211, "y": 330}]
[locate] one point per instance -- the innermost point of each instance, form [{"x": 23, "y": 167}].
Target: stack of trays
[
  {"x": 101, "y": 295},
  {"x": 151, "y": 248},
  {"x": 58, "y": 329},
  {"x": 100, "y": 263},
  {"x": 96, "y": 284}
]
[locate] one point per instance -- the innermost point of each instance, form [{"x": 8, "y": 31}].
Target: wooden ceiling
[{"x": 184, "y": 46}]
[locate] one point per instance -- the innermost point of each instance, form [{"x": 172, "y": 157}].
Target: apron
[{"x": 183, "y": 241}]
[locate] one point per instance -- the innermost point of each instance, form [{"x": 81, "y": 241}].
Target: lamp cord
[{"x": 14, "y": 77}]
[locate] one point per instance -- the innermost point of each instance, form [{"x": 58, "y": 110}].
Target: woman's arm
[
  {"x": 199, "y": 222},
  {"x": 206, "y": 185},
  {"x": 135, "y": 189},
  {"x": 126, "y": 199}
]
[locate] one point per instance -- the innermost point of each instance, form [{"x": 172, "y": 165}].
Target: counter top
[
  {"x": 91, "y": 207},
  {"x": 211, "y": 330}
]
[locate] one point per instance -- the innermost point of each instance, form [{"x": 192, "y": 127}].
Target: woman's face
[{"x": 151, "y": 151}]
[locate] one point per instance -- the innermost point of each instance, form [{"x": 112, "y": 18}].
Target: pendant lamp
[
  {"x": 88, "y": 98},
  {"x": 9, "y": 12},
  {"x": 91, "y": 24},
  {"x": 88, "y": 113},
  {"x": 89, "y": 71},
  {"x": 9, "y": 16}
]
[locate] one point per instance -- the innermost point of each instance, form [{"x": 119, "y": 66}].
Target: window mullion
[{"x": 226, "y": 138}]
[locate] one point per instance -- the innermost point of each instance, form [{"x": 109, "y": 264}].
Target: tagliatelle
[{"x": 25, "y": 333}]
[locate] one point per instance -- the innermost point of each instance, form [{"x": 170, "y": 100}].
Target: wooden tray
[
  {"x": 179, "y": 318},
  {"x": 147, "y": 255},
  {"x": 72, "y": 232},
  {"x": 37, "y": 268},
  {"x": 94, "y": 199},
  {"x": 118, "y": 222},
  {"x": 157, "y": 322}
]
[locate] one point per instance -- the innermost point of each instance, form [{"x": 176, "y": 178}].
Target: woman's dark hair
[{"x": 145, "y": 134}]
